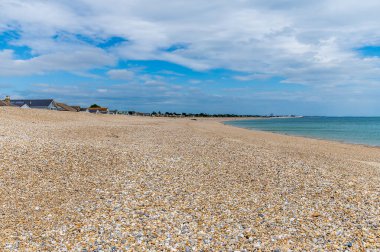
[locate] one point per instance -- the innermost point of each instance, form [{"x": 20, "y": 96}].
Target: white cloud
[
  {"x": 121, "y": 74},
  {"x": 255, "y": 76},
  {"x": 74, "y": 61},
  {"x": 301, "y": 41}
]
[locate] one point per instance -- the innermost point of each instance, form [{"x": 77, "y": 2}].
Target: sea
[{"x": 356, "y": 130}]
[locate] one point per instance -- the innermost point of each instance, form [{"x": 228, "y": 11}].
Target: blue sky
[{"x": 219, "y": 56}]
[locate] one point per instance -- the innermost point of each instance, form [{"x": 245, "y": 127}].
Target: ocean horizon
[{"x": 347, "y": 129}]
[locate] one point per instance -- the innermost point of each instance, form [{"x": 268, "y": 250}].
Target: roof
[
  {"x": 32, "y": 103},
  {"x": 78, "y": 108},
  {"x": 65, "y": 107}
]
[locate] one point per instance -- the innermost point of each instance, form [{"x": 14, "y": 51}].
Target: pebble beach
[{"x": 83, "y": 182}]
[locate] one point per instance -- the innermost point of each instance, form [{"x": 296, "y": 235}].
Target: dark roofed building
[{"x": 37, "y": 104}]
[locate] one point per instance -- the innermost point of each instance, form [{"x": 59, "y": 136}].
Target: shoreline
[{"x": 303, "y": 136}]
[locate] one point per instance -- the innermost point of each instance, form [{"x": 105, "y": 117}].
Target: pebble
[{"x": 81, "y": 182}]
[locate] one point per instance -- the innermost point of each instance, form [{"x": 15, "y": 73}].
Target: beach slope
[{"x": 75, "y": 181}]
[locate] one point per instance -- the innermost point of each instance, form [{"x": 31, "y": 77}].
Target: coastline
[
  {"x": 77, "y": 181},
  {"x": 302, "y": 136}
]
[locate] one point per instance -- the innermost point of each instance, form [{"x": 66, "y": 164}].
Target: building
[
  {"x": 77, "y": 108},
  {"x": 49, "y": 104},
  {"x": 98, "y": 110},
  {"x": 65, "y": 107}
]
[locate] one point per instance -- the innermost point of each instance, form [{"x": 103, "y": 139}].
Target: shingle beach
[{"x": 82, "y": 182}]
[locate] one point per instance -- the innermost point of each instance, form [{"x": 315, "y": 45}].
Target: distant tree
[{"x": 95, "y": 106}]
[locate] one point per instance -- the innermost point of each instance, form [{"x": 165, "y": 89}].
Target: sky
[{"x": 217, "y": 56}]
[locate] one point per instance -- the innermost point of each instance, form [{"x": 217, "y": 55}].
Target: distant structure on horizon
[
  {"x": 48, "y": 104},
  {"x": 51, "y": 104},
  {"x": 97, "y": 110}
]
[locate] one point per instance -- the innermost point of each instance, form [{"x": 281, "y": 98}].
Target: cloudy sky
[{"x": 216, "y": 56}]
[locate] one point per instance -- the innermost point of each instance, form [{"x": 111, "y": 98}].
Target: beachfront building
[
  {"x": 24, "y": 106},
  {"x": 49, "y": 104},
  {"x": 98, "y": 110},
  {"x": 65, "y": 107},
  {"x": 77, "y": 108}
]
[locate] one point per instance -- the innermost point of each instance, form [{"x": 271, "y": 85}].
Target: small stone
[
  {"x": 315, "y": 215},
  {"x": 348, "y": 244},
  {"x": 257, "y": 244}
]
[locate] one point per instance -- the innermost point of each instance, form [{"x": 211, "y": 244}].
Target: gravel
[{"x": 83, "y": 182}]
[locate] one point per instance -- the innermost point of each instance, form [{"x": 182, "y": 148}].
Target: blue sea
[{"x": 357, "y": 130}]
